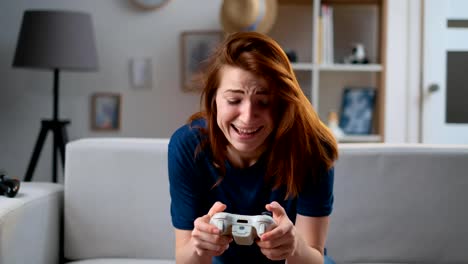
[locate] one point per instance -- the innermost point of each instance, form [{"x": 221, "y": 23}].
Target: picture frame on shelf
[
  {"x": 196, "y": 47},
  {"x": 105, "y": 111},
  {"x": 357, "y": 110}
]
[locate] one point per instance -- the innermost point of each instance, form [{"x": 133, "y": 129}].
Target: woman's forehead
[{"x": 239, "y": 79}]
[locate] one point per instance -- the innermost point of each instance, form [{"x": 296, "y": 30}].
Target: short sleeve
[
  {"x": 185, "y": 186},
  {"x": 317, "y": 199}
]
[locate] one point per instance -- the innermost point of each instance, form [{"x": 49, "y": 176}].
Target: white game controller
[{"x": 244, "y": 228}]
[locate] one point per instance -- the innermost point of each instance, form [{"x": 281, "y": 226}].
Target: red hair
[{"x": 300, "y": 145}]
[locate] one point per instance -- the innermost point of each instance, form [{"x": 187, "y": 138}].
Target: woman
[{"x": 257, "y": 145}]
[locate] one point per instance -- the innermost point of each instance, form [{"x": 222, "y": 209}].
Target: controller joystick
[
  {"x": 267, "y": 213},
  {"x": 243, "y": 228}
]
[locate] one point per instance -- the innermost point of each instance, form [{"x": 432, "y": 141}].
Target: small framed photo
[
  {"x": 357, "y": 111},
  {"x": 196, "y": 48},
  {"x": 105, "y": 111}
]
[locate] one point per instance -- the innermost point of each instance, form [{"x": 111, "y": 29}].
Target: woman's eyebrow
[
  {"x": 266, "y": 92},
  {"x": 239, "y": 91},
  {"x": 259, "y": 89}
]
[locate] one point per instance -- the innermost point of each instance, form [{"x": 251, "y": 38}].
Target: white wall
[
  {"x": 122, "y": 32},
  {"x": 414, "y": 82},
  {"x": 396, "y": 71},
  {"x": 402, "y": 82}
]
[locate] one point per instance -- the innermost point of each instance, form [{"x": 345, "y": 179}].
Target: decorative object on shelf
[
  {"x": 55, "y": 40},
  {"x": 291, "y": 54},
  {"x": 196, "y": 47},
  {"x": 105, "y": 111},
  {"x": 357, "y": 56},
  {"x": 357, "y": 110},
  {"x": 149, "y": 4},
  {"x": 248, "y": 15},
  {"x": 334, "y": 126}
]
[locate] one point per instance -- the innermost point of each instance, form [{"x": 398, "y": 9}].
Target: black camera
[{"x": 8, "y": 187}]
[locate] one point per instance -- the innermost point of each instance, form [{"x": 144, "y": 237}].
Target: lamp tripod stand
[
  {"x": 59, "y": 133},
  {"x": 57, "y": 40}
]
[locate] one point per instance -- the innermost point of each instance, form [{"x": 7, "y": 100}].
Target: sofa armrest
[{"x": 30, "y": 224}]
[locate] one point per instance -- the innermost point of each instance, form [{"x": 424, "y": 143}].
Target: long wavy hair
[{"x": 300, "y": 145}]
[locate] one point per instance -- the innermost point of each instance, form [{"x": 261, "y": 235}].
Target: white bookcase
[{"x": 354, "y": 21}]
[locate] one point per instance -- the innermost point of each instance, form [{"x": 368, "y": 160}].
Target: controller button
[
  {"x": 220, "y": 225},
  {"x": 267, "y": 213},
  {"x": 261, "y": 229}
]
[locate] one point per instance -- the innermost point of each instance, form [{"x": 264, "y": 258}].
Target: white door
[{"x": 445, "y": 72}]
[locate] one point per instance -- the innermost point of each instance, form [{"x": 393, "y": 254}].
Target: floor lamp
[{"x": 55, "y": 40}]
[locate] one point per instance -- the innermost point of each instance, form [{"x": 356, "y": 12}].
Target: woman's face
[{"x": 243, "y": 103}]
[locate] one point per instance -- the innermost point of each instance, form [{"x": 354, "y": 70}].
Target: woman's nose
[{"x": 247, "y": 112}]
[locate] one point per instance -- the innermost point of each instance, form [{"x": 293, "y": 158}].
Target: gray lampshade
[{"x": 56, "y": 40}]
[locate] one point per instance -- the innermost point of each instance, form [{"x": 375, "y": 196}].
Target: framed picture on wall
[
  {"x": 357, "y": 111},
  {"x": 196, "y": 47},
  {"x": 105, "y": 111}
]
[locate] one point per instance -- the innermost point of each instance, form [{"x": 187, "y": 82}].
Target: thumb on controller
[
  {"x": 216, "y": 208},
  {"x": 277, "y": 210}
]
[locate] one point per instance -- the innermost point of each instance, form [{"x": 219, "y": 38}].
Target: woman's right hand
[{"x": 206, "y": 237}]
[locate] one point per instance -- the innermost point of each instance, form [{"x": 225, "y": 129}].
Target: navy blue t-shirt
[{"x": 244, "y": 191}]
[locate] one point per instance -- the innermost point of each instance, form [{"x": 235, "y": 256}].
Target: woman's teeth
[{"x": 247, "y": 131}]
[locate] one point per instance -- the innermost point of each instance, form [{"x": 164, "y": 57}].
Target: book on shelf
[
  {"x": 325, "y": 35},
  {"x": 320, "y": 40}
]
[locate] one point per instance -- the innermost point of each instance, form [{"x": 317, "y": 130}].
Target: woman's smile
[{"x": 247, "y": 133}]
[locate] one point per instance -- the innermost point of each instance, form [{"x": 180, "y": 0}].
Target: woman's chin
[{"x": 246, "y": 148}]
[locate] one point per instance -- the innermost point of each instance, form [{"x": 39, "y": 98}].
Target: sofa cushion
[
  {"x": 117, "y": 199},
  {"x": 123, "y": 261},
  {"x": 31, "y": 217},
  {"x": 404, "y": 204}
]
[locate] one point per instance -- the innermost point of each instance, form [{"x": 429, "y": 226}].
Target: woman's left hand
[{"x": 280, "y": 242}]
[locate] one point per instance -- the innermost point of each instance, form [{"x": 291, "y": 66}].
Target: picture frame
[
  {"x": 105, "y": 111},
  {"x": 357, "y": 110},
  {"x": 196, "y": 47}
]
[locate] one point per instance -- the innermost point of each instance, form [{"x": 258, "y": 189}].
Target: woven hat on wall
[{"x": 248, "y": 15}]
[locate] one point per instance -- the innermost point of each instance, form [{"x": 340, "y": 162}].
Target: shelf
[
  {"x": 331, "y": 2},
  {"x": 351, "y": 67},
  {"x": 360, "y": 139},
  {"x": 304, "y": 66},
  {"x": 300, "y": 29},
  {"x": 351, "y": 2},
  {"x": 295, "y": 2}
]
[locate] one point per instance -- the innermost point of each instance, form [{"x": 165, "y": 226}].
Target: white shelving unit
[
  {"x": 354, "y": 21},
  {"x": 302, "y": 66},
  {"x": 351, "y": 67},
  {"x": 361, "y": 138}
]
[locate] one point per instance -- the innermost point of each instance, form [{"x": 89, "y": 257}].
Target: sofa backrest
[
  {"x": 400, "y": 204},
  {"x": 393, "y": 203},
  {"x": 117, "y": 200}
]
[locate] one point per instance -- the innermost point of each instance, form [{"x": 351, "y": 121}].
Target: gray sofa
[
  {"x": 400, "y": 204},
  {"x": 393, "y": 204}
]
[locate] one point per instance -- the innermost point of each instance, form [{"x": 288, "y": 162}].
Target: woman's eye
[
  {"x": 264, "y": 103},
  {"x": 233, "y": 101}
]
